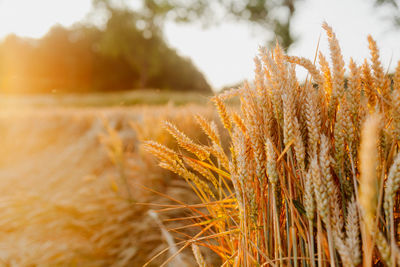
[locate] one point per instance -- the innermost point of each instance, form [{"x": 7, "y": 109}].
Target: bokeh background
[
  {"x": 96, "y": 45},
  {"x": 84, "y": 82}
]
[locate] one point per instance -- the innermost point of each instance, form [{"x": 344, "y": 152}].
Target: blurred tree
[
  {"x": 138, "y": 39},
  {"x": 87, "y": 59},
  {"x": 272, "y": 16},
  {"x": 395, "y": 4},
  {"x": 141, "y": 49}
]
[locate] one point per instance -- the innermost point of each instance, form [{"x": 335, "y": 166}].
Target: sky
[{"x": 225, "y": 53}]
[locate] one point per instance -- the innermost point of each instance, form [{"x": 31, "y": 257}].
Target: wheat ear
[
  {"x": 368, "y": 183},
  {"x": 338, "y": 68},
  {"x": 368, "y": 85},
  {"x": 380, "y": 80},
  {"x": 353, "y": 232},
  {"x": 186, "y": 143}
]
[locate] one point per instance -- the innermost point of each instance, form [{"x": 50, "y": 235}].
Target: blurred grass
[{"x": 131, "y": 98}]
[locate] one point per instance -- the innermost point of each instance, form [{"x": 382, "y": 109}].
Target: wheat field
[
  {"x": 299, "y": 173},
  {"x": 313, "y": 167},
  {"x": 70, "y": 181}
]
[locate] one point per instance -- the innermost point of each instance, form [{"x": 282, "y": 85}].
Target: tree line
[
  {"x": 130, "y": 50},
  {"x": 121, "y": 56}
]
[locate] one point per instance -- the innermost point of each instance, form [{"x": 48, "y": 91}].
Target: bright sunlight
[
  {"x": 133, "y": 135},
  {"x": 33, "y": 18}
]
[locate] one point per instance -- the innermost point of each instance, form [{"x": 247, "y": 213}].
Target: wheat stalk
[{"x": 306, "y": 166}]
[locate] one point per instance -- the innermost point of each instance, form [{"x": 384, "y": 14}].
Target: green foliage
[
  {"x": 142, "y": 50},
  {"x": 271, "y": 16}
]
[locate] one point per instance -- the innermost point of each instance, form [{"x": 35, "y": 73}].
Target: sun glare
[{"x": 34, "y": 18}]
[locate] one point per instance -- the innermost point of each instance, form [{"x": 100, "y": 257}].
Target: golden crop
[{"x": 313, "y": 168}]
